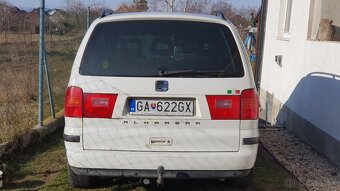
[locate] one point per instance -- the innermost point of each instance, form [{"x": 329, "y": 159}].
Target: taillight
[
  {"x": 89, "y": 105},
  {"x": 99, "y": 105},
  {"x": 249, "y": 105},
  {"x": 234, "y": 107},
  {"x": 74, "y": 102},
  {"x": 224, "y": 107}
]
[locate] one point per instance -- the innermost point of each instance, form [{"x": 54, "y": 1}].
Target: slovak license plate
[{"x": 162, "y": 107}]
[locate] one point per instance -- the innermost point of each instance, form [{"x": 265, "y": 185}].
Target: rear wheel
[
  {"x": 242, "y": 182},
  {"x": 80, "y": 181}
]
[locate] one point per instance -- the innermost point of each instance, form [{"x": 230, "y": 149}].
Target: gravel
[{"x": 312, "y": 170}]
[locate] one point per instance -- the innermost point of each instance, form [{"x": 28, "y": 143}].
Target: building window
[
  {"x": 324, "y": 20},
  {"x": 284, "y": 19}
]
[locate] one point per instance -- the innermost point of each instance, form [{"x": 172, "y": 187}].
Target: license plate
[{"x": 162, "y": 107}]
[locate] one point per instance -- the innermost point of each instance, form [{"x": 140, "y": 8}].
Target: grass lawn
[
  {"x": 19, "y": 78},
  {"x": 43, "y": 167}
]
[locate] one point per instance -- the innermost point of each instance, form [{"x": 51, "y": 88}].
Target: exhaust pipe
[{"x": 160, "y": 179}]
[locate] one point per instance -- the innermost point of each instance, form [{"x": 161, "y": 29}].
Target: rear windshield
[{"x": 161, "y": 48}]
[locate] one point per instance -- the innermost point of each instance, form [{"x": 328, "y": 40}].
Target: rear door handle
[{"x": 161, "y": 141}]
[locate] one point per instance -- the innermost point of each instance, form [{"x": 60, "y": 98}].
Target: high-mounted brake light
[{"x": 74, "y": 102}]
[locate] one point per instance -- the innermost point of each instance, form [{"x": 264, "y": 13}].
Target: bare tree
[
  {"x": 76, "y": 7},
  {"x": 67, "y": 5},
  {"x": 194, "y": 6},
  {"x": 4, "y": 15},
  {"x": 164, "y": 5},
  {"x": 4, "y": 3},
  {"x": 190, "y": 6},
  {"x": 247, "y": 12},
  {"x": 227, "y": 9},
  {"x": 11, "y": 18},
  {"x": 170, "y": 5},
  {"x": 154, "y": 5},
  {"x": 2, "y": 19},
  {"x": 97, "y": 8},
  {"x": 140, "y": 5}
]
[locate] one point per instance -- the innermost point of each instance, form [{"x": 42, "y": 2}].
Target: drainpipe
[{"x": 259, "y": 59}]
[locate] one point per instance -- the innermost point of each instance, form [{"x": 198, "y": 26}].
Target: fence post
[
  {"x": 88, "y": 18},
  {"x": 41, "y": 63},
  {"x": 49, "y": 87}
]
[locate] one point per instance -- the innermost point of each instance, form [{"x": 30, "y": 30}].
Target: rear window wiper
[{"x": 190, "y": 72}]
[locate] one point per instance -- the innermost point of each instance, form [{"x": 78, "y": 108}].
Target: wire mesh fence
[{"x": 19, "y": 70}]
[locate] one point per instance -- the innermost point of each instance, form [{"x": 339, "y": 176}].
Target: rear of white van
[{"x": 161, "y": 94}]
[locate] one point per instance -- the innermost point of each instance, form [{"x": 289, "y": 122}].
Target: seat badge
[{"x": 162, "y": 86}]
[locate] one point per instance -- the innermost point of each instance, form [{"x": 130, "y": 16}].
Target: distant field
[
  {"x": 19, "y": 78},
  {"x": 28, "y": 37}
]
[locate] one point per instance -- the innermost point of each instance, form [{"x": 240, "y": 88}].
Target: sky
[{"x": 29, "y": 4}]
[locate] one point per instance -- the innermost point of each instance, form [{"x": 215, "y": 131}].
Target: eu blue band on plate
[{"x": 132, "y": 105}]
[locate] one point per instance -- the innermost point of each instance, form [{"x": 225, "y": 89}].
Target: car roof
[{"x": 164, "y": 16}]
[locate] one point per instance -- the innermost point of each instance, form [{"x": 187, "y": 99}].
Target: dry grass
[
  {"x": 25, "y": 172},
  {"x": 29, "y": 37},
  {"x": 19, "y": 78}
]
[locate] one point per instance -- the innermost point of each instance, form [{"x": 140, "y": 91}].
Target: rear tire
[
  {"x": 242, "y": 182},
  {"x": 80, "y": 181}
]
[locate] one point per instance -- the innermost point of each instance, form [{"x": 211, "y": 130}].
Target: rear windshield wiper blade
[{"x": 190, "y": 72}]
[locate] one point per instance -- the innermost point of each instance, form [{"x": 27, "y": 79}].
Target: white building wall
[{"x": 299, "y": 84}]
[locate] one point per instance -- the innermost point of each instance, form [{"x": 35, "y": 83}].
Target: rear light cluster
[
  {"x": 234, "y": 107},
  {"x": 89, "y": 105},
  {"x": 224, "y": 107},
  {"x": 221, "y": 107}
]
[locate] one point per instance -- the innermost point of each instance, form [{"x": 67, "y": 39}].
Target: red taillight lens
[
  {"x": 224, "y": 107},
  {"x": 244, "y": 107},
  {"x": 249, "y": 105},
  {"x": 74, "y": 102},
  {"x": 95, "y": 105},
  {"x": 99, "y": 105}
]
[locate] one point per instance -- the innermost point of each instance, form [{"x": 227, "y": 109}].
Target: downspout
[{"x": 261, "y": 41}]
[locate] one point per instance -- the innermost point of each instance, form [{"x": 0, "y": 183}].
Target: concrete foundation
[
  {"x": 279, "y": 114},
  {"x": 32, "y": 137}
]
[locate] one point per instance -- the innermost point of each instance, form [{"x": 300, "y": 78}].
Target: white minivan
[{"x": 161, "y": 95}]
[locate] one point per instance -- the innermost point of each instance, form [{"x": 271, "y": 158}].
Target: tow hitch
[{"x": 160, "y": 179}]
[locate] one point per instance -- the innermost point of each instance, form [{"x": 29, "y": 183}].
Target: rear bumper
[
  {"x": 121, "y": 162},
  {"x": 186, "y": 174},
  {"x": 142, "y": 163}
]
